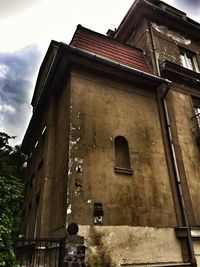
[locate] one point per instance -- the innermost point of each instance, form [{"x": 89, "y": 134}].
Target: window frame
[
  {"x": 196, "y": 118},
  {"x": 188, "y": 60},
  {"x": 196, "y": 107}
]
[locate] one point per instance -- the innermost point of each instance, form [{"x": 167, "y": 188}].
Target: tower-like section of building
[{"x": 113, "y": 143}]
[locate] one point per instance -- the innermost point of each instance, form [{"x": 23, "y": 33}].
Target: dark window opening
[
  {"x": 196, "y": 104},
  {"x": 23, "y": 223},
  {"x": 36, "y": 216},
  {"x": 122, "y": 159},
  {"x": 28, "y": 219},
  {"x": 196, "y": 119},
  {"x": 32, "y": 179},
  {"x": 26, "y": 189},
  {"x": 29, "y": 211},
  {"x": 40, "y": 164}
]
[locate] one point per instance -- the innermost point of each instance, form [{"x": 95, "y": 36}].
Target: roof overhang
[{"x": 153, "y": 11}]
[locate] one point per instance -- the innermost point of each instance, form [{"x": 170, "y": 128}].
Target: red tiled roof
[{"x": 105, "y": 46}]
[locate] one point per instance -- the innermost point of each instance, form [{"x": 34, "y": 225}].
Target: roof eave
[
  {"x": 143, "y": 8},
  {"x": 83, "y": 58}
]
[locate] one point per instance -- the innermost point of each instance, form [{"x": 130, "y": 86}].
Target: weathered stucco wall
[
  {"x": 196, "y": 245},
  {"x": 190, "y": 150},
  {"x": 35, "y": 215},
  {"x": 168, "y": 42},
  {"x": 102, "y": 109},
  {"x": 60, "y": 118},
  {"x": 128, "y": 246}
]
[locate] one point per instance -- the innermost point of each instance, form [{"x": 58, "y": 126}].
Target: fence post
[{"x": 61, "y": 251}]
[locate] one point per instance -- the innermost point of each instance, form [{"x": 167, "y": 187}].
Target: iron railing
[{"x": 45, "y": 252}]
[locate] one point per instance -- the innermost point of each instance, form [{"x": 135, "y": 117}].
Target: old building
[{"x": 113, "y": 143}]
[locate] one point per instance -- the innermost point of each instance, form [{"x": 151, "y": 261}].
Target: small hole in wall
[
  {"x": 79, "y": 169},
  {"x": 78, "y": 183}
]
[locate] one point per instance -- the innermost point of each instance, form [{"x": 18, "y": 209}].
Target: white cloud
[
  {"x": 3, "y": 70},
  {"x": 38, "y": 23},
  {"x": 57, "y": 19},
  {"x": 5, "y": 108}
]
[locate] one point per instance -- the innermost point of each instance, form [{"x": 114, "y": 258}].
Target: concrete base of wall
[
  {"x": 196, "y": 245},
  {"x": 131, "y": 246}
]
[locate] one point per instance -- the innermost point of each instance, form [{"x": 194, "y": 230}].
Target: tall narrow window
[
  {"x": 196, "y": 119},
  {"x": 188, "y": 60},
  {"x": 122, "y": 159},
  {"x": 28, "y": 220},
  {"x": 196, "y": 103}
]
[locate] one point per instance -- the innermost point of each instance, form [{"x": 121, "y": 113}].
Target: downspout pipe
[
  {"x": 174, "y": 157},
  {"x": 178, "y": 180}
]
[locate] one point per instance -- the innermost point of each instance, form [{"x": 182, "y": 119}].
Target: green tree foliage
[{"x": 11, "y": 161}]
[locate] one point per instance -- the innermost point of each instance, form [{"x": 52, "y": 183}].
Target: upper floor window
[
  {"x": 196, "y": 104},
  {"x": 122, "y": 159},
  {"x": 196, "y": 119},
  {"x": 188, "y": 60}
]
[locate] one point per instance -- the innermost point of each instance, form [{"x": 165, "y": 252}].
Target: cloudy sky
[{"x": 28, "y": 26}]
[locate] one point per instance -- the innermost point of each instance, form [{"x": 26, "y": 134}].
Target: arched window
[{"x": 122, "y": 160}]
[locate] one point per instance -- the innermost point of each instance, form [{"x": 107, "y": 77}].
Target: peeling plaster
[
  {"x": 68, "y": 204},
  {"x": 78, "y": 186},
  {"x": 74, "y": 163},
  {"x": 79, "y": 169},
  {"x": 70, "y": 162},
  {"x": 73, "y": 128},
  {"x": 69, "y": 172},
  {"x": 71, "y": 143},
  {"x": 67, "y": 191},
  {"x": 94, "y": 138},
  {"x": 130, "y": 246},
  {"x": 69, "y": 209},
  {"x": 79, "y": 160},
  {"x": 110, "y": 138},
  {"x": 168, "y": 55},
  {"x": 77, "y": 191},
  {"x": 174, "y": 35}
]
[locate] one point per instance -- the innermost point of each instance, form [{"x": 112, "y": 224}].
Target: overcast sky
[{"x": 28, "y": 26}]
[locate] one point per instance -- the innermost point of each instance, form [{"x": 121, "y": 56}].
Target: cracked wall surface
[
  {"x": 102, "y": 109},
  {"x": 125, "y": 245}
]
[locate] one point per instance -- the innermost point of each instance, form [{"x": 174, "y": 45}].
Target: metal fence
[{"x": 40, "y": 252}]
